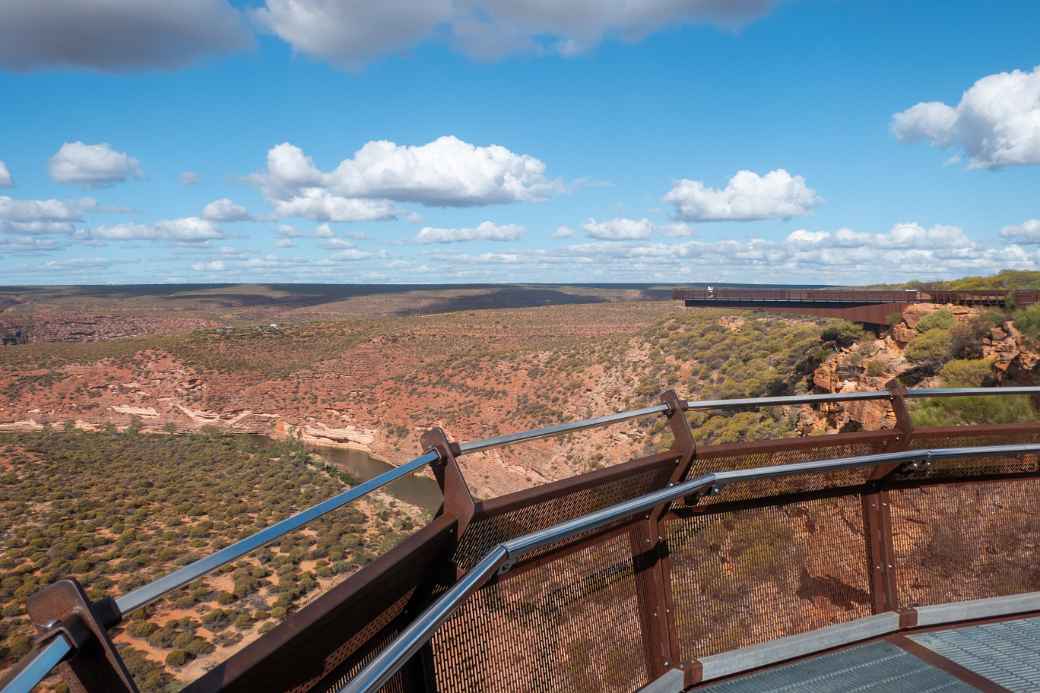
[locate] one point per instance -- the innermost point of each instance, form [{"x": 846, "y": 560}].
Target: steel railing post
[
  {"x": 651, "y": 557},
  {"x": 877, "y": 511},
  {"x": 458, "y": 501},
  {"x": 94, "y": 663}
]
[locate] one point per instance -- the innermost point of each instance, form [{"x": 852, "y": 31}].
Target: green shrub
[
  {"x": 939, "y": 320},
  {"x": 962, "y": 411},
  {"x": 842, "y": 332},
  {"x": 177, "y": 658},
  {"x": 141, "y": 629},
  {"x": 1028, "y": 322},
  {"x": 875, "y": 368},
  {"x": 967, "y": 336},
  {"x": 932, "y": 346},
  {"x": 967, "y": 373}
]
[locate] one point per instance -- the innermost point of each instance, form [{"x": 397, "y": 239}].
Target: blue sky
[{"x": 619, "y": 137}]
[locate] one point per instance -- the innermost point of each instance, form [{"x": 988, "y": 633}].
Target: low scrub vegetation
[{"x": 116, "y": 510}]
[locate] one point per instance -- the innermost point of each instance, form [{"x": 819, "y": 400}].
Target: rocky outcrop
[
  {"x": 874, "y": 364},
  {"x": 318, "y": 433},
  {"x": 1010, "y": 353}
]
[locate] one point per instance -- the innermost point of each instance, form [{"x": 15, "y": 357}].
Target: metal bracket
[
  {"x": 458, "y": 501},
  {"x": 94, "y": 664}
]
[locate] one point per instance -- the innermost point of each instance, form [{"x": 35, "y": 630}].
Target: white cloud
[
  {"x": 996, "y": 123},
  {"x": 350, "y": 33},
  {"x": 117, "y": 35},
  {"x": 324, "y": 231},
  {"x": 185, "y": 230},
  {"x": 1028, "y": 232},
  {"x": 906, "y": 250},
  {"x": 485, "y": 231},
  {"x": 225, "y": 210},
  {"x": 5, "y": 176},
  {"x": 320, "y": 205},
  {"x": 92, "y": 164},
  {"x": 338, "y": 243},
  {"x": 619, "y": 229},
  {"x": 678, "y": 230},
  {"x": 209, "y": 266},
  {"x": 446, "y": 172},
  {"x": 26, "y": 244},
  {"x": 77, "y": 264},
  {"x": 563, "y": 232},
  {"x": 351, "y": 255},
  {"x": 288, "y": 231},
  {"x": 903, "y": 235},
  {"x": 42, "y": 216},
  {"x": 285, "y": 243},
  {"x": 189, "y": 178},
  {"x": 747, "y": 197}
]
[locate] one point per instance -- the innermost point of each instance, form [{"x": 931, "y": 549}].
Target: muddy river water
[{"x": 418, "y": 490}]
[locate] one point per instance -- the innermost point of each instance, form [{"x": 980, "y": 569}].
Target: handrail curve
[{"x": 52, "y": 653}]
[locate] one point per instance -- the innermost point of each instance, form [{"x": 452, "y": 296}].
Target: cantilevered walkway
[
  {"x": 903, "y": 559},
  {"x": 859, "y": 305}
]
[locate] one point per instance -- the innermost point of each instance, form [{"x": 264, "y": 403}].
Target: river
[{"x": 417, "y": 490}]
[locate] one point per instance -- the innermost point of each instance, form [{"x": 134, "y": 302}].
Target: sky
[{"x": 473, "y": 141}]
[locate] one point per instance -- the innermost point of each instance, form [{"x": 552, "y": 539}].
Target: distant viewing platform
[{"x": 874, "y": 307}]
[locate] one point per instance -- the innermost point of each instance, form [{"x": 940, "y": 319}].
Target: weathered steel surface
[
  {"x": 620, "y": 576},
  {"x": 95, "y": 665},
  {"x": 858, "y": 305},
  {"x": 869, "y": 313},
  {"x": 343, "y": 626}
]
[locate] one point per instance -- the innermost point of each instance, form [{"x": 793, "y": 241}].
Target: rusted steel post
[
  {"x": 94, "y": 665},
  {"x": 877, "y": 513},
  {"x": 877, "y": 530},
  {"x": 682, "y": 443},
  {"x": 652, "y": 559},
  {"x": 904, "y": 430},
  {"x": 904, "y": 423},
  {"x": 656, "y": 618},
  {"x": 458, "y": 501}
]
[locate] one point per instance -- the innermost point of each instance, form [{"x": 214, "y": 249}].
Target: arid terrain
[{"x": 372, "y": 370}]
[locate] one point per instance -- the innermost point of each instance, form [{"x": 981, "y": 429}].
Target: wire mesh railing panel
[
  {"x": 571, "y": 624},
  {"x": 748, "y": 576},
  {"x": 709, "y": 461},
  {"x": 345, "y": 662},
  {"x": 486, "y": 532},
  {"x": 955, "y": 542},
  {"x": 977, "y": 466}
]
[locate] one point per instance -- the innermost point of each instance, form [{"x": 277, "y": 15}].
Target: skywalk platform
[{"x": 995, "y": 656}]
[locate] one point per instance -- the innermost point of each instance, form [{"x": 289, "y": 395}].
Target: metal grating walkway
[
  {"x": 1007, "y": 652},
  {"x": 878, "y": 666}
]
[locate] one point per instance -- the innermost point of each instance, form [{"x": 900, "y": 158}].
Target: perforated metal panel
[
  {"x": 349, "y": 666},
  {"x": 568, "y": 625},
  {"x": 955, "y": 542},
  {"x": 710, "y": 461},
  {"x": 973, "y": 467},
  {"x": 745, "y": 577},
  {"x": 485, "y": 532}
]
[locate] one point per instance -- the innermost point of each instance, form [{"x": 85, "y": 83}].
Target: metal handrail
[
  {"x": 146, "y": 594},
  {"x": 39, "y": 667},
  {"x": 972, "y": 391},
  {"x": 152, "y": 591},
  {"x": 692, "y": 405},
  {"x": 559, "y": 429},
  {"x": 501, "y": 557}
]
